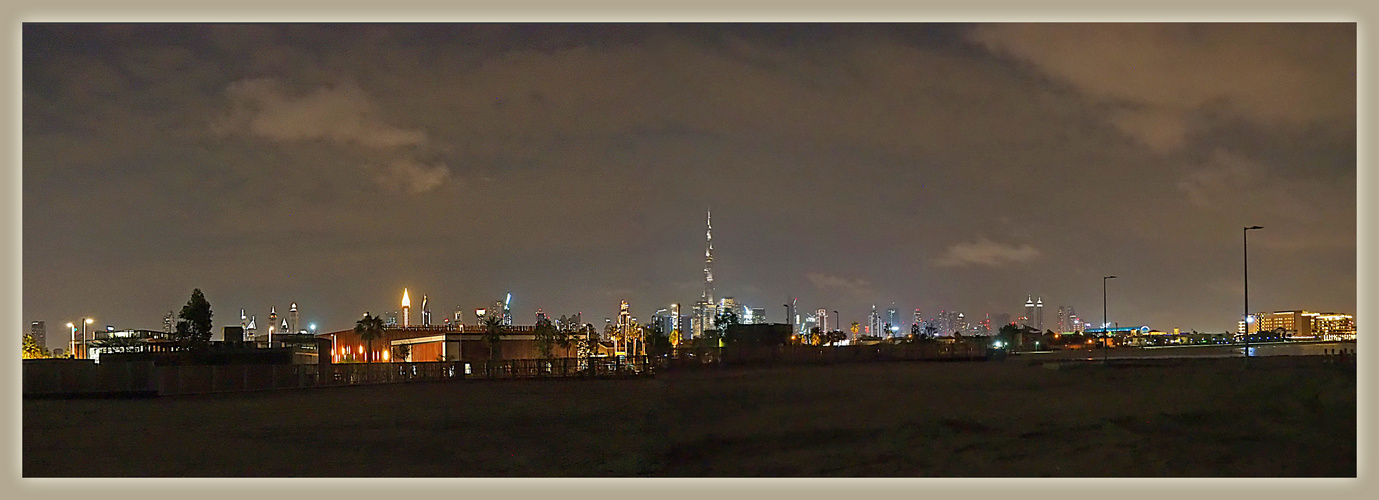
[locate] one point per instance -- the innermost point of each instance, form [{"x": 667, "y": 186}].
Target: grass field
[{"x": 1208, "y": 417}]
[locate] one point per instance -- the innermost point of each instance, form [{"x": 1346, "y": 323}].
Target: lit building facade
[{"x": 1301, "y": 324}]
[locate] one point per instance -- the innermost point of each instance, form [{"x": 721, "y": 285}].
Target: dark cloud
[{"x": 935, "y": 166}]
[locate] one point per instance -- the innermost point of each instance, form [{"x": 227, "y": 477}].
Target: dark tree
[
  {"x": 194, "y": 322},
  {"x": 493, "y": 335},
  {"x": 369, "y": 328},
  {"x": 725, "y": 319},
  {"x": 548, "y": 336},
  {"x": 657, "y": 340}
]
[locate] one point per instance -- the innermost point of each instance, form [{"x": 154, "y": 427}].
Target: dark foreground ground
[{"x": 1207, "y": 417}]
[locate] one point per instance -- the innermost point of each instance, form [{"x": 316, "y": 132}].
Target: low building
[
  {"x": 1301, "y": 325},
  {"x": 438, "y": 343}
]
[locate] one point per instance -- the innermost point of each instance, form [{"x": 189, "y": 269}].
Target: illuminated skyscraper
[
  {"x": 507, "y": 310},
  {"x": 272, "y": 322},
  {"x": 822, "y": 316},
  {"x": 406, "y": 307},
  {"x": 459, "y": 315},
  {"x": 243, "y": 320},
  {"x": 1039, "y": 314},
  {"x": 292, "y": 324},
  {"x": 425, "y": 311},
  {"x": 874, "y": 322},
  {"x": 706, "y": 309},
  {"x": 1029, "y": 311},
  {"x": 759, "y": 315},
  {"x": 708, "y": 260}
]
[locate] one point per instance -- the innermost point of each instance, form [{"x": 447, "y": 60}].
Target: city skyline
[{"x": 935, "y": 167}]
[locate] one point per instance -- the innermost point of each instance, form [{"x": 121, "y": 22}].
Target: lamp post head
[
  {"x": 1254, "y": 227},
  {"x": 88, "y": 321},
  {"x": 1107, "y": 277}
]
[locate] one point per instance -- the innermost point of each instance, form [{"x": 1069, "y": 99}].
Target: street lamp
[
  {"x": 1105, "y": 347},
  {"x": 1245, "y": 239}
]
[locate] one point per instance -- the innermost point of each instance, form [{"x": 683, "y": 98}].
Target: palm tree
[
  {"x": 369, "y": 328},
  {"x": 493, "y": 335}
]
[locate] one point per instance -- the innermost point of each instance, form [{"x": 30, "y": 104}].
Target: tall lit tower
[
  {"x": 272, "y": 322},
  {"x": 406, "y": 306},
  {"x": 708, "y": 260},
  {"x": 1039, "y": 314},
  {"x": 507, "y": 310},
  {"x": 425, "y": 312},
  {"x": 1029, "y": 311},
  {"x": 292, "y": 325}
]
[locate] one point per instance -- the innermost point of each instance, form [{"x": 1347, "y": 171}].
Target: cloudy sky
[{"x": 939, "y": 167}]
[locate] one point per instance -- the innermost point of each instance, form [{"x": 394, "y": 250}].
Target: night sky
[{"x": 940, "y": 167}]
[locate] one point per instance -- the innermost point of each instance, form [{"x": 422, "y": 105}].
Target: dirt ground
[{"x": 1206, "y": 417}]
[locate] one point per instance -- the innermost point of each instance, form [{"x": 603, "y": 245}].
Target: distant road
[{"x": 1204, "y": 351}]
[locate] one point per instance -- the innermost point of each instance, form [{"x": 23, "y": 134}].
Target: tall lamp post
[
  {"x": 1105, "y": 323},
  {"x": 1245, "y": 240},
  {"x": 837, "y": 321}
]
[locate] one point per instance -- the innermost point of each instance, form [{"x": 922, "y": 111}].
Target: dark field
[{"x": 1207, "y": 417}]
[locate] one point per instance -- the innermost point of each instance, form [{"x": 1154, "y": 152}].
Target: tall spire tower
[
  {"x": 708, "y": 260},
  {"x": 406, "y": 306}
]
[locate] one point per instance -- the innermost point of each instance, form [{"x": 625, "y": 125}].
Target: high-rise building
[
  {"x": 708, "y": 259},
  {"x": 459, "y": 315},
  {"x": 168, "y": 322},
  {"x": 730, "y": 304},
  {"x": 406, "y": 308},
  {"x": 1039, "y": 314},
  {"x": 874, "y": 322},
  {"x": 918, "y": 319},
  {"x": 822, "y": 316},
  {"x": 273, "y": 322},
  {"x": 892, "y": 318},
  {"x": 507, "y": 310},
  {"x": 540, "y": 315},
  {"x": 39, "y": 331},
  {"x": 759, "y": 315},
  {"x": 292, "y": 325},
  {"x": 425, "y": 311},
  {"x": 1028, "y": 319}
]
